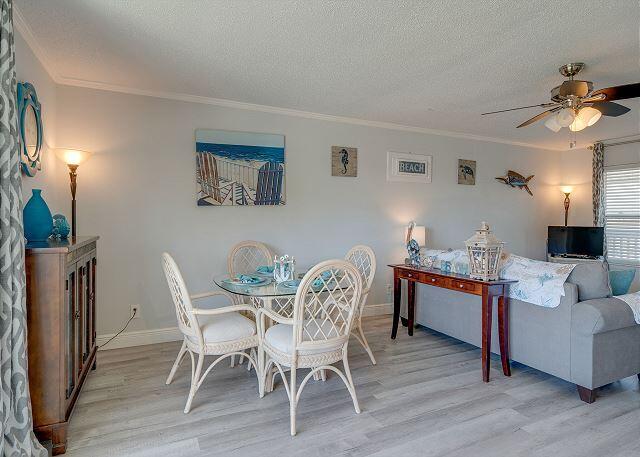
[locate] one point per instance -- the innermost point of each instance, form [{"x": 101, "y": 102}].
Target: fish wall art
[{"x": 514, "y": 179}]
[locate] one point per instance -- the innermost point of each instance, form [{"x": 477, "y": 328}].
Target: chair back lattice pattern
[
  {"x": 180, "y": 296},
  {"x": 246, "y": 256},
  {"x": 325, "y": 305},
  {"x": 363, "y": 258}
]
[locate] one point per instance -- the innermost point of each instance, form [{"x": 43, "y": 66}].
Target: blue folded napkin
[
  {"x": 326, "y": 275},
  {"x": 246, "y": 279},
  {"x": 265, "y": 269}
]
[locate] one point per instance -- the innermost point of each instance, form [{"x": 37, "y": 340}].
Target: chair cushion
[
  {"x": 280, "y": 337},
  {"x": 592, "y": 280},
  {"x": 225, "y": 327},
  {"x": 621, "y": 281},
  {"x": 601, "y": 315}
]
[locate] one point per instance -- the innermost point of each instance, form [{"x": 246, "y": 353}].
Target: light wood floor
[{"x": 425, "y": 397}]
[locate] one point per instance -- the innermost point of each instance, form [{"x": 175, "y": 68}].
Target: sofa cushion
[
  {"x": 621, "y": 280},
  {"x": 592, "y": 280},
  {"x": 601, "y": 315}
]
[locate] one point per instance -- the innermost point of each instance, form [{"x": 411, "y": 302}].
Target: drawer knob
[
  {"x": 433, "y": 279},
  {"x": 462, "y": 286}
]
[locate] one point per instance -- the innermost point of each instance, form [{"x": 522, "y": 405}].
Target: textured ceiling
[{"x": 429, "y": 64}]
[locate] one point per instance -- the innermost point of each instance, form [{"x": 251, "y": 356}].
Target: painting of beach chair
[
  {"x": 239, "y": 168},
  {"x": 209, "y": 181},
  {"x": 269, "y": 188}
]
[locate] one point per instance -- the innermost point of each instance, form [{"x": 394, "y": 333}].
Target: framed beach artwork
[
  {"x": 239, "y": 168},
  {"x": 408, "y": 167}
]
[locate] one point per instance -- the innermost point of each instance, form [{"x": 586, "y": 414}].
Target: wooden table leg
[
  {"x": 396, "y": 303},
  {"x": 487, "y": 309},
  {"x": 503, "y": 333},
  {"x": 411, "y": 305}
]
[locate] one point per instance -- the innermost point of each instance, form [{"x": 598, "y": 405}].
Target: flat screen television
[{"x": 575, "y": 241}]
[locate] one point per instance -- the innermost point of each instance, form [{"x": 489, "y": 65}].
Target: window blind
[{"x": 622, "y": 214}]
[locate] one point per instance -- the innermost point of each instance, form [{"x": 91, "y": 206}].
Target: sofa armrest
[{"x": 570, "y": 294}]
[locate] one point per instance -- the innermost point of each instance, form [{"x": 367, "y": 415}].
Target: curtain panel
[
  {"x": 17, "y": 429},
  {"x": 598, "y": 191}
]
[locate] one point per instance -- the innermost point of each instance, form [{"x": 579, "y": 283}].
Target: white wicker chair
[
  {"x": 363, "y": 258},
  {"x": 220, "y": 331},
  {"x": 318, "y": 334},
  {"x": 244, "y": 258}
]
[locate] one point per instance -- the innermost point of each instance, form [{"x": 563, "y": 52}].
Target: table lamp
[
  {"x": 73, "y": 158},
  {"x": 566, "y": 190}
]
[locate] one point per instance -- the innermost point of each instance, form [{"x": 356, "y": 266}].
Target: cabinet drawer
[
  {"x": 435, "y": 280},
  {"x": 406, "y": 274},
  {"x": 466, "y": 286}
]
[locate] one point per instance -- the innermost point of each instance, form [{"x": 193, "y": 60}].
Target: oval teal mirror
[{"x": 30, "y": 128}]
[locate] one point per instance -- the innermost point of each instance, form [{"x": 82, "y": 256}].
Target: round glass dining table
[{"x": 269, "y": 289}]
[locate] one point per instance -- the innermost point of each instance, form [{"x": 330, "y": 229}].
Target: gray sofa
[{"x": 590, "y": 339}]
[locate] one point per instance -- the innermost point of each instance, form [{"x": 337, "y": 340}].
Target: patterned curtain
[
  {"x": 597, "y": 184},
  {"x": 15, "y": 404}
]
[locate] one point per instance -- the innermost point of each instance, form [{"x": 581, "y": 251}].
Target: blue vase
[{"x": 38, "y": 224}]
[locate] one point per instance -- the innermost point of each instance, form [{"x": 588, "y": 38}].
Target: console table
[{"x": 462, "y": 283}]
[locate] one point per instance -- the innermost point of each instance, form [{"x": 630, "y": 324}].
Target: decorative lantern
[{"x": 484, "y": 254}]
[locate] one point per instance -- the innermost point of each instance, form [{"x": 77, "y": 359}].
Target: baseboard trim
[
  {"x": 378, "y": 310},
  {"x": 140, "y": 338},
  {"x": 164, "y": 335}
]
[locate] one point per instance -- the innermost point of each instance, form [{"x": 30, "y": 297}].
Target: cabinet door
[
  {"x": 87, "y": 312},
  {"x": 70, "y": 307},
  {"x": 94, "y": 262},
  {"x": 81, "y": 284}
]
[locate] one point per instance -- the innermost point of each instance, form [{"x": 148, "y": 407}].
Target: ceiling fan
[{"x": 574, "y": 104}]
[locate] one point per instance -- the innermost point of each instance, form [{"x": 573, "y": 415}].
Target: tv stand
[{"x": 567, "y": 258}]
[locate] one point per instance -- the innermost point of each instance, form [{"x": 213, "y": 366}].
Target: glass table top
[{"x": 267, "y": 289}]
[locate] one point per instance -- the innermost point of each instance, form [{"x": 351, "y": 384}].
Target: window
[{"x": 622, "y": 214}]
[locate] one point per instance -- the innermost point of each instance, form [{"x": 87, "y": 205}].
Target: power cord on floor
[{"x": 123, "y": 329}]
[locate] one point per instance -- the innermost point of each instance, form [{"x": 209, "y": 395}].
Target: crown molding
[
  {"x": 21, "y": 26},
  {"x": 32, "y": 42},
  {"x": 288, "y": 112}
]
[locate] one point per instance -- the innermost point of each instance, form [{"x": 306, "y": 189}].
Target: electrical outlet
[
  {"x": 135, "y": 309},
  {"x": 389, "y": 291}
]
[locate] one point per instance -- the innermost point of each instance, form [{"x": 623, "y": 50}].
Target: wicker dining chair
[
  {"x": 363, "y": 258},
  {"x": 244, "y": 258},
  {"x": 317, "y": 336},
  {"x": 219, "y": 331}
]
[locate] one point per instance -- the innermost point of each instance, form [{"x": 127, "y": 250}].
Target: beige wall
[
  {"x": 51, "y": 179},
  {"x": 138, "y": 193}
]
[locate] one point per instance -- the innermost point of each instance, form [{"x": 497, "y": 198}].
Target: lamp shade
[
  {"x": 72, "y": 156},
  {"x": 418, "y": 233},
  {"x": 565, "y": 117},
  {"x": 566, "y": 189},
  {"x": 589, "y": 115},
  {"x": 552, "y": 123},
  {"x": 577, "y": 124}
]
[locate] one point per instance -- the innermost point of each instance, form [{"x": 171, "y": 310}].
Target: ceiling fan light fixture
[
  {"x": 589, "y": 115},
  {"x": 565, "y": 117},
  {"x": 552, "y": 123},
  {"x": 577, "y": 124}
]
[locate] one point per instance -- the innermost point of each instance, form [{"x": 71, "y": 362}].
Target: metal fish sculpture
[{"x": 514, "y": 179}]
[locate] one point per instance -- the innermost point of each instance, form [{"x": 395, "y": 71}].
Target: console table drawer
[
  {"x": 435, "y": 281},
  {"x": 414, "y": 276},
  {"x": 468, "y": 287}
]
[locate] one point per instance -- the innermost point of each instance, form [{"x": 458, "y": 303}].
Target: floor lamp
[
  {"x": 73, "y": 158},
  {"x": 566, "y": 190}
]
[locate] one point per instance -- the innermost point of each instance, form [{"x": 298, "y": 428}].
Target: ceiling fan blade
[
  {"x": 611, "y": 109},
  {"x": 577, "y": 88},
  {"x": 619, "y": 92},
  {"x": 536, "y": 118},
  {"x": 541, "y": 105}
]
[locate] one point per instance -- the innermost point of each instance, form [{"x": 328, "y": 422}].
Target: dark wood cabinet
[{"x": 61, "y": 330}]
